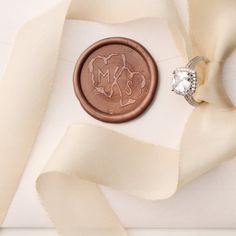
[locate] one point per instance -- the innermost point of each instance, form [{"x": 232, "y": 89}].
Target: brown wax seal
[{"x": 115, "y": 79}]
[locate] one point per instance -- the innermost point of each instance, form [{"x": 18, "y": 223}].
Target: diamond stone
[{"x": 181, "y": 83}]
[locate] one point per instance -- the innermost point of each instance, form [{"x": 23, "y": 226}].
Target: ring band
[{"x": 185, "y": 80}]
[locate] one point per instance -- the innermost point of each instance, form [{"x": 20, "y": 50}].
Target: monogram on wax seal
[{"x": 115, "y": 79}]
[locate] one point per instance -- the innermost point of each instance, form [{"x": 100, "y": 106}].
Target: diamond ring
[{"x": 185, "y": 80}]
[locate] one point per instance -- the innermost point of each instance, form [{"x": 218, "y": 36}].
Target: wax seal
[{"x": 115, "y": 79}]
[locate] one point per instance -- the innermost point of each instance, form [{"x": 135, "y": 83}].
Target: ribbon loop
[{"x": 211, "y": 89}]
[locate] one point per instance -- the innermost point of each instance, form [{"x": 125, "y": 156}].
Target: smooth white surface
[
  {"x": 214, "y": 194},
  {"x": 131, "y": 232}
]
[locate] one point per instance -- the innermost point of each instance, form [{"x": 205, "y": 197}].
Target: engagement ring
[{"x": 185, "y": 80}]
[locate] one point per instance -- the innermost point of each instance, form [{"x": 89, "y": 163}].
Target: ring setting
[{"x": 185, "y": 80}]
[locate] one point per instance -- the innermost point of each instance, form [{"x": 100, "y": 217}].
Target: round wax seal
[{"x": 115, "y": 79}]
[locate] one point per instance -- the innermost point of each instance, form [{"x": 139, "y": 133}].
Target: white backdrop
[{"x": 215, "y": 192}]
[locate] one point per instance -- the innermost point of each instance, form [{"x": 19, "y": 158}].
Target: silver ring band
[{"x": 185, "y": 80}]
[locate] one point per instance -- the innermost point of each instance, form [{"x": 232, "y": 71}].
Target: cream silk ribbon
[{"x": 90, "y": 155}]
